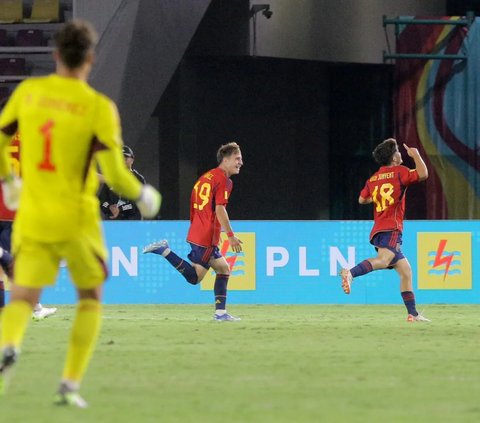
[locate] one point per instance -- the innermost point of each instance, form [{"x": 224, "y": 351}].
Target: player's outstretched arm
[
  {"x": 116, "y": 174},
  {"x": 222, "y": 217},
  {"x": 122, "y": 181},
  {"x": 420, "y": 165}
]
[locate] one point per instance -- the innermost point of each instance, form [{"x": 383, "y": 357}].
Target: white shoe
[
  {"x": 67, "y": 396},
  {"x": 43, "y": 312},
  {"x": 157, "y": 247},
  {"x": 417, "y": 318},
  {"x": 225, "y": 318}
]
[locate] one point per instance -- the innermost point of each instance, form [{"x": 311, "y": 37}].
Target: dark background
[{"x": 306, "y": 128}]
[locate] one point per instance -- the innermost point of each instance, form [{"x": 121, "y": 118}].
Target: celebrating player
[
  {"x": 387, "y": 189},
  {"x": 67, "y": 127},
  {"x": 207, "y": 217}
]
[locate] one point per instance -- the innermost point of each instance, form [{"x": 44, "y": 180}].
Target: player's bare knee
[{"x": 223, "y": 271}]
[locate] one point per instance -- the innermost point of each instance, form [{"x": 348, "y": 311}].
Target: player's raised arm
[{"x": 420, "y": 165}]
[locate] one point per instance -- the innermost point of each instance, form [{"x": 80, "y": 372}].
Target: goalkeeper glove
[
  {"x": 11, "y": 187},
  {"x": 149, "y": 202}
]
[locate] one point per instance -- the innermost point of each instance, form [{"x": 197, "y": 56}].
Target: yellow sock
[
  {"x": 14, "y": 320},
  {"x": 83, "y": 339}
]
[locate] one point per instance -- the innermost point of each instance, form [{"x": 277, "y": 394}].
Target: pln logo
[
  {"x": 444, "y": 260},
  {"x": 242, "y": 265}
]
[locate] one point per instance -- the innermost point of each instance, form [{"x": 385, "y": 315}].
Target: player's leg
[
  {"x": 5, "y": 259},
  {"x": 86, "y": 258},
  {"x": 404, "y": 270},
  {"x": 193, "y": 273},
  {"x": 385, "y": 243},
  {"x": 222, "y": 270},
  {"x": 382, "y": 261},
  {"x": 83, "y": 339},
  {"x": 14, "y": 322},
  {"x": 31, "y": 259},
  {"x": 2, "y": 290}
]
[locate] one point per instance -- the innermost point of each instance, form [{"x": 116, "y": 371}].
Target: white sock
[
  {"x": 70, "y": 385},
  {"x": 166, "y": 252},
  {"x": 220, "y": 312},
  {"x": 38, "y": 307}
]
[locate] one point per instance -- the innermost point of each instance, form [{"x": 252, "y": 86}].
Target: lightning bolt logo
[
  {"x": 439, "y": 260},
  {"x": 230, "y": 260}
]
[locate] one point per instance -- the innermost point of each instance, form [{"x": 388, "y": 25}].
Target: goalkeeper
[{"x": 67, "y": 128}]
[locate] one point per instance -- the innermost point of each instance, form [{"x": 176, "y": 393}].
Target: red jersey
[
  {"x": 14, "y": 150},
  {"x": 212, "y": 189},
  {"x": 387, "y": 188}
]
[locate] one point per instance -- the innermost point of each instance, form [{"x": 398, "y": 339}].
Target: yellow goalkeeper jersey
[{"x": 63, "y": 124}]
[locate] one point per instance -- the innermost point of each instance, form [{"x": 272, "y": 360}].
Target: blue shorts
[
  {"x": 202, "y": 255},
  {"x": 390, "y": 240},
  {"x": 6, "y": 235}
]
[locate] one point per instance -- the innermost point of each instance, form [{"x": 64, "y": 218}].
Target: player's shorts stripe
[
  {"x": 393, "y": 239},
  {"x": 208, "y": 253},
  {"x": 103, "y": 265}
]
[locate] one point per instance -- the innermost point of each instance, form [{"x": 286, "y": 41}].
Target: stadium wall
[
  {"x": 293, "y": 262},
  {"x": 333, "y": 30}
]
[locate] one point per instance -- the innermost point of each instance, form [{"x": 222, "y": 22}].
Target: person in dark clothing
[{"x": 114, "y": 206}]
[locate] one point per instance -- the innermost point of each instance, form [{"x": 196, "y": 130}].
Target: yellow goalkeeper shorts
[{"x": 36, "y": 264}]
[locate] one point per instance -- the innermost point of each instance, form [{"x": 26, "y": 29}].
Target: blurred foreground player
[
  {"x": 67, "y": 128},
  {"x": 387, "y": 189}
]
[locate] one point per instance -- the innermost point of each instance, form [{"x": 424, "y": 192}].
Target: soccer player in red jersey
[
  {"x": 208, "y": 215},
  {"x": 6, "y": 221},
  {"x": 387, "y": 189}
]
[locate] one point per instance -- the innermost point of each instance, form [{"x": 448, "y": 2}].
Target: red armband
[{"x": 230, "y": 234}]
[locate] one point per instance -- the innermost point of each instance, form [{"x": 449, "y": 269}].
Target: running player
[
  {"x": 387, "y": 189},
  {"x": 208, "y": 215}
]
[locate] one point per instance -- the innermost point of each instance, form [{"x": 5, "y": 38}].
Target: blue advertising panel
[{"x": 290, "y": 262}]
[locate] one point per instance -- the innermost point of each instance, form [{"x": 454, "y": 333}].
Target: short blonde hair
[{"x": 227, "y": 150}]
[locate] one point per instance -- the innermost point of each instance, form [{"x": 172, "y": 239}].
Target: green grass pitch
[{"x": 317, "y": 363}]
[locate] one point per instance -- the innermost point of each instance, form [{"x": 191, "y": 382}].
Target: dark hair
[
  {"x": 74, "y": 41},
  {"x": 227, "y": 150},
  {"x": 383, "y": 153}
]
